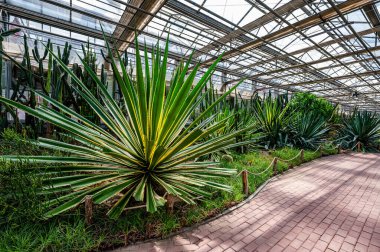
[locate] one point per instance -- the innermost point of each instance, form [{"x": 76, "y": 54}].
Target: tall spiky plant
[
  {"x": 272, "y": 119},
  {"x": 360, "y": 126},
  {"x": 308, "y": 129},
  {"x": 145, "y": 153}
]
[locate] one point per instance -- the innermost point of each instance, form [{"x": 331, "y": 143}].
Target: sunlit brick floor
[{"x": 331, "y": 204}]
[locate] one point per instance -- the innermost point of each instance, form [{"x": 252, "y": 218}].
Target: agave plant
[
  {"x": 272, "y": 119},
  {"x": 146, "y": 152},
  {"x": 308, "y": 130},
  {"x": 360, "y": 126},
  {"x": 234, "y": 112}
]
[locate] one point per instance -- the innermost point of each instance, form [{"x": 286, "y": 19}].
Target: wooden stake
[
  {"x": 359, "y": 149},
  {"x": 320, "y": 151},
  {"x": 302, "y": 156},
  {"x": 88, "y": 204},
  {"x": 275, "y": 166},
  {"x": 170, "y": 199},
  {"x": 244, "y": 176},
  {"x": 339, "y": 149}
]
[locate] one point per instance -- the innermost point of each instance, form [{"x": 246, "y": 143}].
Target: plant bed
[{"x": 68, "y": 231}]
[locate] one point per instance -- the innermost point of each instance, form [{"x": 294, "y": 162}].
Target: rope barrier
[
  {"x": 333, "y": 148},
  {"x": 257, "y": 174},
  {"x": 288, "y": 160},
  {"x": 318, "y": 149}
]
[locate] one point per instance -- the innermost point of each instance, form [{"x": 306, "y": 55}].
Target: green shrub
[
  {"x": 307, "y": 102},
  {"x": 19, "y": 193},
  {"x": 13, "y": 143}
]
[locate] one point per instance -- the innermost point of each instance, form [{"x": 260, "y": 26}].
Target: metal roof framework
[{"x": 327, "y": 47}]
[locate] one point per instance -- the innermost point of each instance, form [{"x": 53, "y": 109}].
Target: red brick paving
[{"x": 332, "y": 204}]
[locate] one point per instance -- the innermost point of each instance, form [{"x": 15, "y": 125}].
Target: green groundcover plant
[{"x": 146, "y": 150}]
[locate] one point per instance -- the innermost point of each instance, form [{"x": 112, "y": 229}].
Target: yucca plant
[
  {"x": 360, "y": 126},
  {"x": 146, "y": 152},
  {"x": 308, "y": 130},
  {"x": 272, "y": 119}
]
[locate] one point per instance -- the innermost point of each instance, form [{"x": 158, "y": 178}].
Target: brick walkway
[{"x": 332, "y": 204}]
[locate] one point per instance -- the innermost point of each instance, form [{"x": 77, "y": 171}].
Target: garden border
[{"x": 248, "y": 199}]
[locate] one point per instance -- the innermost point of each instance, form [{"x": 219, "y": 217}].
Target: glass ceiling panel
[
  {"x": 99, "y": 8},
  {"x": 229, "y": 9}
]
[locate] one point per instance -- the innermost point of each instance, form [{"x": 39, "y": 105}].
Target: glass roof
[{"x": 330, "y": 48}]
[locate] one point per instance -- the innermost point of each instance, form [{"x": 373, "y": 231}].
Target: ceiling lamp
[{"x": 355, "y": 95}]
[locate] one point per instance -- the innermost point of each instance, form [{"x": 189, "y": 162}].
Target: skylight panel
[
  {"x": 100, "y": 8},
  {"x": 232, "y": 10}
]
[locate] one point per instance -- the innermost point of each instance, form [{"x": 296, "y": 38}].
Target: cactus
[
  {"x": 54, "y": 81},
  {"x": 28, "y": 83},
  {"x": 105, "y": 58},
  {"x": 103, "y": 75},
  {"x": 25, "y": 80},
  {"x": 61, "y": 90},
  {"x": 40, "y": 61},
  {"x": 89, "y": 57}
]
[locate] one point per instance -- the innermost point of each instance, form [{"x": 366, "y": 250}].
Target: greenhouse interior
[{"x": 190, "y": 125}]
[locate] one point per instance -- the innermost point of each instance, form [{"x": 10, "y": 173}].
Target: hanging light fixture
[{"x": 355, "y": 95}]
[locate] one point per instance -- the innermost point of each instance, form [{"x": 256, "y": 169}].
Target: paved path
[{"x": 332, "y": 204}]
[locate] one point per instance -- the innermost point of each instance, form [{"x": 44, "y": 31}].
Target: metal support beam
[
  {"x": 331, "y": 79},
  {"x": 349, "y": 94},
  {"x": 329, "y": 67},
  {"x": 261, "y": 21},
  {"x": 325, "y": 15},
  {"x": 203, "y": 19},
  {"x": 45, "y": 19},
  {"x": 339, "y": 12},
  {"x": 295, "y": 29},
  {"x": 136, "y": 19},
  {"x": 126, "y": 17},
  {"x": 341, "y": 56},
  {"x": 208, "y": 21},
  {"x": 323, "y": 44},
  {"x": 353, "y": 87},
  {"x": 373, "y": 15}
]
